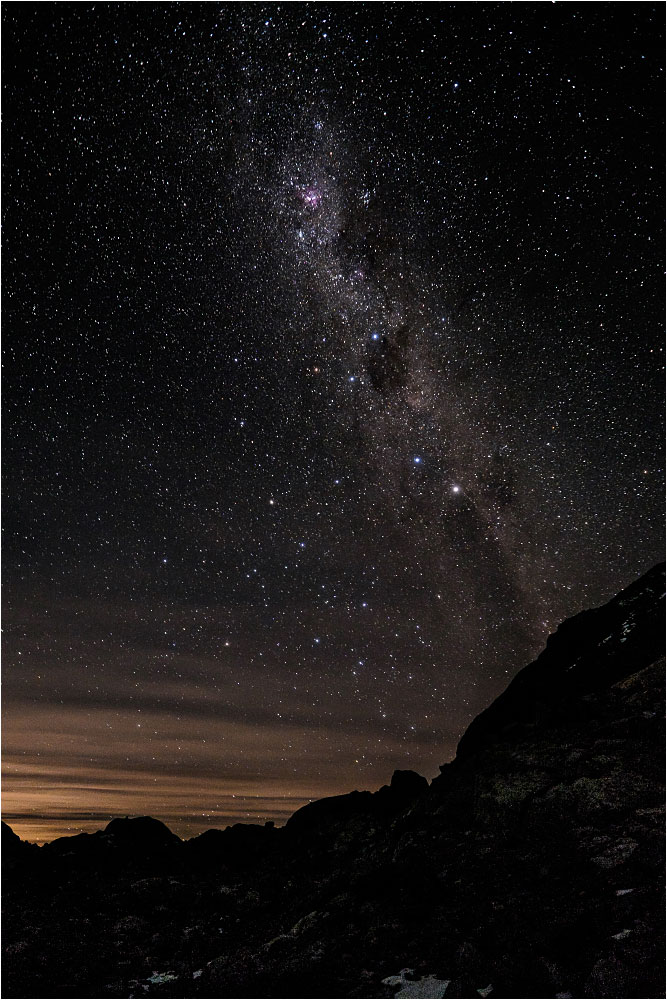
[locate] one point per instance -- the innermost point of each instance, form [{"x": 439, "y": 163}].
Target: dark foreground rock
[{"x": 531, "y": 867}]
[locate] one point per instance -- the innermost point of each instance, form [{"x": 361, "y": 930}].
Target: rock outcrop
[
  {"x": 587, "y": 653},
  {"x": 11, "y": 843}
]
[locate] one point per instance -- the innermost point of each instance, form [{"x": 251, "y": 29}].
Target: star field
[{"x": 333, "y": 377}]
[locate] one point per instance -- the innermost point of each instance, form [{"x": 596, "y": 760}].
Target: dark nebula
[{"x": 333, "y": 382}]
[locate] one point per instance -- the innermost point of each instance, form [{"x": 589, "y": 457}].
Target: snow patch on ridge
[{"x": 426, "y": 988}]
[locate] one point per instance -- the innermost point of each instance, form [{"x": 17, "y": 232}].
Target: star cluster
[{"x": 333, "y": 375}]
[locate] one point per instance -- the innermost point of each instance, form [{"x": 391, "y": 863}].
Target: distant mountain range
[{"x": 532, "y": 866}]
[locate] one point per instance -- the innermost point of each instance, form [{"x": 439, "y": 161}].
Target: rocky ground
[{"x": 531, "y": 867}]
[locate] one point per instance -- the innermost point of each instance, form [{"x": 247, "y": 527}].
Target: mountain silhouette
[{"x": 532, "y": 866}]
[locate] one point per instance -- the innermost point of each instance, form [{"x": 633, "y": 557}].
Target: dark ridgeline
[{"x": 532, "y": 865}]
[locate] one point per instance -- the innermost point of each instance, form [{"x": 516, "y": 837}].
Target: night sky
[{"x": 333, "y": 368}]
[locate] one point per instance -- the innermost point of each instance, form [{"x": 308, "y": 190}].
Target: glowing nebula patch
[{"x": 311, "y": 197}]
